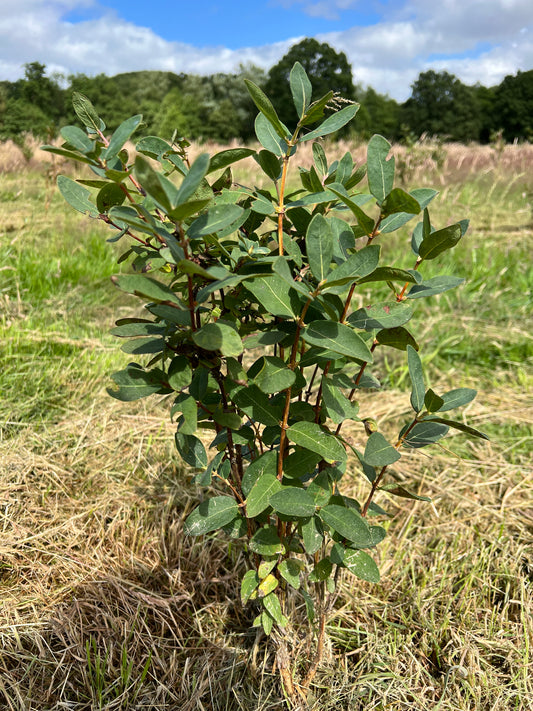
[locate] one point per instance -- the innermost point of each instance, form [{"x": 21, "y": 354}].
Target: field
[{"x": 106, "y": 605}]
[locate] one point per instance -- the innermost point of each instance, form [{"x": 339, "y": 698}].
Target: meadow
[{"x": 106, "y": 605}]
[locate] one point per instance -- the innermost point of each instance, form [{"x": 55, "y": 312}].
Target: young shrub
[{"x": 249, "y": 330}]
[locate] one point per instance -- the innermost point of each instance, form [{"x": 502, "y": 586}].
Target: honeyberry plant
[{"x": 250, "y": 331}]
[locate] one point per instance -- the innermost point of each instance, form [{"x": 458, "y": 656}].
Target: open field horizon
[{"x": 108, "y": 606}]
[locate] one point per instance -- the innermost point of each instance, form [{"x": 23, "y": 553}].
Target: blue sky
[
  {"x": 234, "y": 24},
  {"x": 387, "y": 42}
]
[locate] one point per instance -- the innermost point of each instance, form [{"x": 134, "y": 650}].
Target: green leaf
[
  {"x": 126, "y": 328},
  {"x": 457, "y": 398},
  {"x": 458, "y": 426},
  {"x": 416, "y": 373},
  {"x": 312, "y": 535},
  {"x": 211, "y": 515},
  {"x": 436, "y": 285},
  {"x": 256, "y": 405},
  {"x": 402, "y": 492},
  {"x": 120, "y": 136},
  {"x": 380, "y": 171},
  {"x": 268, "y": 137},
  {"x": 78, "y": 139},
  {"x": 258, "y": 498},
  {"x": 224, "y": 158},
  {"x": 145, "y": 286},
  {"x": 76, "y": 195},
  {"x": 179, "y": 373},
  {"x": 319, "y": 245},
  {"x": 69, "y": 154},
  {"x": 321, "y": 571},
  {"x": 153, "y": 147},
  {"x": 192, "y": 451},
  {"x": 424, "y": 196},
  {"x": 281, "y": 267},
  {"x": 316, "y": 110},
  {"x": 219, "y": 336},
  {"x": 394, "y": 222},
  {"x": 187, "y": 406},
  {"x": 348, "y": 523},
  {"x": 86, "y": 113},
  {"x": 378, "y": 452},
  {"x": 272, "y": 605},
  {"x": 274, "y": 294},
  {"x": 338, "y": 406},
  {"x": 187, "y": 266},
  {"x": 365, "y": 222},
  {"x": 332, "y": 123},
  {"x": 362, "y": 565},
  {"x": 344, "y": 168},
  {"x": 191, "y": 182},
  {"x": 398, "y": 337},
  {"x": 249, "y": 584},
  {"x": 109, "y": 196},
  {"x": 216, "y": 219},
  {"x": 399, "y": 201},
  {"x": 424, "y": 433},
  {"x": 290, "y": 570},
  {"x": 319, "y": 156},
  {"x": 140, "y": 346},
  {"x": 301, "y": 89},
  {"x": 300, "y": 464},
  {"x": 230, "y": 420},
  {"x": 162, "y": 190},
  {"x": 266, "y": 541},
  {"x": 439, "y": 241},
  {"x": 170, "y": 314},
  {"x": 320, "y": 488},
  {"x": 337, "y": 337},
  {"x": 432, "y": 401},
  {"x": 270, "y": 164},
  {"x": 357, "y": 265},
  {"x": 386, "y": 315},
  {"x": 389, "y": 274},
  {"x": 272, "y": 374},
  {"x": 266, "y": 567},
  {"x": 135, "y": 383},
  {"x": 313, "y": 437},
  {"x": 265, "y": 106},
  {"x": 265, "y": 338},
  {"x": 293, "y": 501},
  {"x": 265, "y": 464}
]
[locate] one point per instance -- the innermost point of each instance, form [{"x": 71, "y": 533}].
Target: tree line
[{"x": 216, "y": 107}]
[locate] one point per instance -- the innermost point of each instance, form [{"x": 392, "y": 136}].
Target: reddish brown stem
[{"x": 401, "y": 295}]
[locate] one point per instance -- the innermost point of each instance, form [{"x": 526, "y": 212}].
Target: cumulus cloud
[
  {"x": 455, "y": 36},
  {"x": 478, "y": 40},
  {"x": 35, "y": 29}
]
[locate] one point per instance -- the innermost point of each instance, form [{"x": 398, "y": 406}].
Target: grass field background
[{"x": 105, "y": 605}]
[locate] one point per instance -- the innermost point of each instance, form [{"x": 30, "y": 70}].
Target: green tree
[
  {"x": 514, "y": 106},
  {"x": 20, "y": 117},
  {"x": 33, "y": 104},
  {"x": 490, "y": 121},
  {"x": 441, "y": 105},
  {"x": 378, "y": 114},
  {"x": 179, "y": 112},
  {"x": 327, "y": 70}
]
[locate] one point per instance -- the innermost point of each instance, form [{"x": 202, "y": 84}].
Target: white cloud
[
  {"x": 388, "y": 55},
  {"x": 34, "y": 30}
]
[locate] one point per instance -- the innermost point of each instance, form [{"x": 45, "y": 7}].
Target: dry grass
[
  {"x": 106, "y": 605},
  {"x": 99, "y": 583}
]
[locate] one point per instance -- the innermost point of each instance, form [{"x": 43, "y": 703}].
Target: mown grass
[{"x": 108, "y": 606}]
